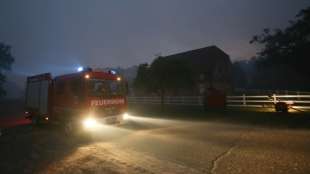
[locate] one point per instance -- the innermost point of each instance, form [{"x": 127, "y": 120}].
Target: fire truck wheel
[
  {"x": 71, "y": 130},
  {"x": 68, "y": 127},
  {"x": 34, "y": 121}
]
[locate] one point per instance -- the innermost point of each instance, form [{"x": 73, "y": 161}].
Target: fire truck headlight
[
  {"x": 89, "y": 123},
  {"x": 87, "y": 76},
  {"x": 126, "y": 116}
]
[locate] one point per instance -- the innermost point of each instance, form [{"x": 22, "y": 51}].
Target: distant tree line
[
  {"x": 283, "y": 62},
  {"x": 6, "y": 60}
]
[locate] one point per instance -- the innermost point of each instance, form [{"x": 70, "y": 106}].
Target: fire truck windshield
[{"x": 100, "y": 87}]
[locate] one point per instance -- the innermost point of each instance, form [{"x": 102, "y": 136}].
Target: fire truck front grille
[{"x": 108, "y": 111}]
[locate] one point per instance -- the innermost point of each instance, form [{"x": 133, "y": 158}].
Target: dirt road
[{"x": 145, "y": 145}]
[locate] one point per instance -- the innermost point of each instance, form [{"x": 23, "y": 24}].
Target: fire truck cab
[{"x": 84, "y": 97}]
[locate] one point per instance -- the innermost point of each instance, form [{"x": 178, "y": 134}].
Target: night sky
[{"x": 59, "y": 35}]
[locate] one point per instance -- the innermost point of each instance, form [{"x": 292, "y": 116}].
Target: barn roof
[{"x": 202, "y": 58}]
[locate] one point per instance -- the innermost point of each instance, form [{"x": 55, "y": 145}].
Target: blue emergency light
[
  {"x": 112, "y": 72},
  {"x": 80, "y": 69}
]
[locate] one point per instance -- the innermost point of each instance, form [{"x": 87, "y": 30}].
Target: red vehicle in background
[{"x": 83, "y": 98}]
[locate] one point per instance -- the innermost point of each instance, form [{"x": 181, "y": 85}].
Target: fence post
[
  {"x": 274, "y": 98},
  {"x": 244, "y": 100},
  {"x": 168, "y": 100},
  {"x": 298, "y": 93}
]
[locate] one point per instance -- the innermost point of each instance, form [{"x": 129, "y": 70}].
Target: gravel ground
[{"x": 146, "y": 145}]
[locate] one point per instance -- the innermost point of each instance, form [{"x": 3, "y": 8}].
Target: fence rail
[
  {"x": 297, "y": 101},
  {"x": 168, "y": 100}
]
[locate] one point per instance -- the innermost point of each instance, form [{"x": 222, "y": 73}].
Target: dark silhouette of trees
[
  {"x": 170, "y": 76},
  {"x": 143, "y": 79},
  {"x": 284, "y": 60},
  {"x": 239, "y": 75},
  {"x": 6, "y": 60},
  {"x": 163, "y": 77}
]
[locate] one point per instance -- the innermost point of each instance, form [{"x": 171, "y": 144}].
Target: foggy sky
[{"x": 59, "y": 35}]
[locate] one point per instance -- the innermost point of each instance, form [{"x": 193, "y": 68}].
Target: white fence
[
  {"x": 297, "y": 101},
  {"x": 240, "y": 91}
]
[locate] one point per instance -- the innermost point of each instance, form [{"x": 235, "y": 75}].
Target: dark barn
[{"x": 211, "y": 68}]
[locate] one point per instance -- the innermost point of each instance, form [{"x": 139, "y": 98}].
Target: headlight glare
[
  {"x": 126, "y": 116},
  {"x": 89, "y": 123}
]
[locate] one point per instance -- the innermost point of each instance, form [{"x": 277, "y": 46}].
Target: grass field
[
  {"x": 254, "y": 116},
  {"x": 12, "y": 107},
  {"x": 257, "y": 117}
]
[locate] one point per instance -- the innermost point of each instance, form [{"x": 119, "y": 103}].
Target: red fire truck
[{"x": 83, "y": 98}]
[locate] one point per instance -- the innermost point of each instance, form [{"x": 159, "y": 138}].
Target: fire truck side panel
[
  {"x": 68, "y": 97},
  {"x": 32, "y": 99},
  {"x": 37, "y": 95},
  {"x": 43, "y": 94}
]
